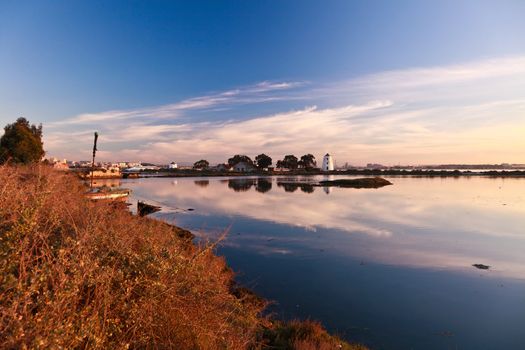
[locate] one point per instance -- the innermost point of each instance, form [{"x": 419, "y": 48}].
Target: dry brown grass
[
  {"x": 82, "y": 275},
  {"x": 302, "y": 335},
  {"x": 76, "y": 274}
]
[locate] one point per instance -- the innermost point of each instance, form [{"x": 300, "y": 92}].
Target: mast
[{"x": 93, "y": 162}]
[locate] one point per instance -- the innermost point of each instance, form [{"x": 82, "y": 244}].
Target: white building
[
  {"x": 173, "y": 165},
  {"x": 222, "y": 167},
  {"x": 137, "y": 169},
  {"x": 243, "y": 167},
  {"x": 328, "y": 163}
]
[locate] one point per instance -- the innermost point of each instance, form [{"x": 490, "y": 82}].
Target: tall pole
[{"x": 93, "y": 162}]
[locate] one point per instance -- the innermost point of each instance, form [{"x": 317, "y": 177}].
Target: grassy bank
[{"x": 75, "y": 274}]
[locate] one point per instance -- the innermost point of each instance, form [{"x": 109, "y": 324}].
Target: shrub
[{"x": 301, "y": 335}]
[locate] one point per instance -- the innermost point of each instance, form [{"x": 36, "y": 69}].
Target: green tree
[
  {"x": 239, "y": 158},
  {"x": 21, "y": 142},
  {"x": 289, "y": 162},
  {"x": 201, "y": 164},
  {"x": 263, "y": 161},
  {"x": 308, "y": 161}
]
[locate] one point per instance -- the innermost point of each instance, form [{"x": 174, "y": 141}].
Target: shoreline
[
  {"x": 403, "y": 173},
  {"x": 354, "y": 172}
]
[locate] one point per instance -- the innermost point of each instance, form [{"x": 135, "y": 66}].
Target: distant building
[
  {"x": 113, "y": 168},
  {"x": 137, "y": 169},
  {"x": 328, "y": 163},
  {"x": 58, "y": 163},
  {"x": 243, "y": 167},
  {"x": 221, "y": 167},
  {"x": 172, "y": 165},
  {"x": 60, "y": 166},
  {"x": 99, "y": 173},
  {"x": 375, "y": 166}
]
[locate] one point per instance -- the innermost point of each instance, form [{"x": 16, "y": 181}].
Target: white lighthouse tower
[{"x": 328, "y": 163}]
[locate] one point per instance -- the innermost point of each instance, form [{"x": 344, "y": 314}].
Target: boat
[
  {"x": 104, "y": 192},
  {"x": 107, "y": 193},
  {"x": 144, "y": 209}
]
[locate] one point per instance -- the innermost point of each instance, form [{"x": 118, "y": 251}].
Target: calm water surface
[{"x": 390, "y": 267}]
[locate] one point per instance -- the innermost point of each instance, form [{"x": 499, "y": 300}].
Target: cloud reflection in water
[{"x": 420, "y": 222}]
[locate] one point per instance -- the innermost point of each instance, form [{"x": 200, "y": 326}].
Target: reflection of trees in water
[
  {"x": 288, "y": 186},
  {"x": 201, "y": 183},
  {"x": 307, "y": 188},
  {"x": 293, "y": 186},
  {"x": 263, "y": 185},
  {"x": 241, "y": 185}
]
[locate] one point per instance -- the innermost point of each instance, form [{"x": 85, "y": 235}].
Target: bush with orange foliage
[
  {"x": 302, "y": 335},
  {"x": 80, "y": 274}
]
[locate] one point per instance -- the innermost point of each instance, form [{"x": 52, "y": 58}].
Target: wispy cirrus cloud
[
  {"x": 261, "y": 92},
  {"x": 457, "y": 73},
  {"x": 471, "y": 112}
]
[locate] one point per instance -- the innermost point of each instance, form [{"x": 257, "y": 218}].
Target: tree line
[
  {"x": 263, "y": 161},
  {"x": 22, "y": 143}
]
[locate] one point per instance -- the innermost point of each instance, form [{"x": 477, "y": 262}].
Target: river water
[{"x": 390, "y": 267}]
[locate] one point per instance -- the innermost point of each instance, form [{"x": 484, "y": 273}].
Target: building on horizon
[
  {"x": 222, "y": 167},
  {"x": 328, "y": 163},
  {"x": 243, "y": 167}
]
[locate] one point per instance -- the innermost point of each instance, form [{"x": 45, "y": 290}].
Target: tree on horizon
[
  {"x": 308, "y": 161},
  {"x": 239, "y": 158},
  {"x": 289, "y": 162},
  {"x": 263, "y": 161},
  {"x": 201, "y": 164}
]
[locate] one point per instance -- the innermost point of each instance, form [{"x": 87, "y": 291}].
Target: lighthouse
[{"x": 328, "y": 163}]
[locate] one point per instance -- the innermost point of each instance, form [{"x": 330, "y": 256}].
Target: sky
[{"x": 391, "y": 82}]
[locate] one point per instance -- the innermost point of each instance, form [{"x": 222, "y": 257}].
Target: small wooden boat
[
  {"x": 106, "y": 193},
  {"x": 144, "y": 209}
]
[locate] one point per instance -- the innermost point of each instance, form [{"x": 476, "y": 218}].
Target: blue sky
[{"x": 369, "y": 81}]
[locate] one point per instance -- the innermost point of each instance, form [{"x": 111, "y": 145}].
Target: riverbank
[
  {"x": 314, "y": 172},
  {"x": 82, "y": 274}
]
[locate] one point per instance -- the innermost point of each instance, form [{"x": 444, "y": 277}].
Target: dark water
[{"x": 391, "y": 268}]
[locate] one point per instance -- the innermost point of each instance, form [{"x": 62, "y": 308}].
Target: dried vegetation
[{"x": 75, "y": 274}]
